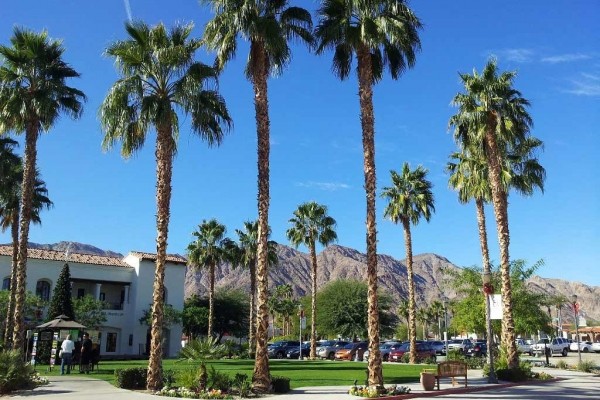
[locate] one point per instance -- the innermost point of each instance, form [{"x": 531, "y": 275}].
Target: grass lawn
[{"x": 301, "y": 373}]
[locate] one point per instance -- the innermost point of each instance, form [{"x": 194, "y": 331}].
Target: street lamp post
[
  {"x": 446, "y": 328},
  {"x": 488, "y": 289},
  {"x": 576, "y": 310},
  {"x": 301, "y": 313}
]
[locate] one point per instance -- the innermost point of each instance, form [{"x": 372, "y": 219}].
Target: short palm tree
[
  {"x": 267, "y": 26},
  {"x": 378, "y": 33},
  {"x": 409, "y": 199},
  {"x": 33, "y": 94},
  {"x": 492, "y": 116},
  {"x": 312, "y": 224},
  {"x": 209, "y": 249},
  {"x": 160, "y": 76},
  {"x": 246, "y": 257}
]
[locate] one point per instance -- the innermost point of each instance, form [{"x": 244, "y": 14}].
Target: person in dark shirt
[{"x": 86, "y": 354}]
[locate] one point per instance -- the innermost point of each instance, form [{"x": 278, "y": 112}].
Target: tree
[
  {"x": 209, "y": 249},
  {"x": 159, "y": 76},
  {"x": 33, "y": 94},
  {"x": 492, "y": 116},
  {"x": 171, "y": 316},
  {"x": 62, "y": 302},
  {"x": 267, "y": 26},
  {"x": 436, "y": 310},
  {"x": 246, "y": 257},
  {"x": 378, "y": 33},
  {"x": 310, "y": 225},
  {"x": 343, "y": 305},
  {"x": 89, "y": 311},
  {"x": 409, "y": 199},
  {"x": 33, "y": 309}
]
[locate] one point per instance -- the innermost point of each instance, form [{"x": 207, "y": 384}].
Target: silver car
[
  {"x": 328, "y": 348},
  {"x": 385, "y": 349}
]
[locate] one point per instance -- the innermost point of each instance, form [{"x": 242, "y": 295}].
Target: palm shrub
[
  {"x": 14, "y": 372},
  {"x": 202, "y": 350},
  {"x": 521, "y": 373}
]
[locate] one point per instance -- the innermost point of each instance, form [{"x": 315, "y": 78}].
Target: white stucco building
[{"x": 124, "y": 283}]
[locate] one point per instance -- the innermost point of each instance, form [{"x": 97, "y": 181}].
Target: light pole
[
  {"x": 488, "y": 289},
  {"x": 576, "y": 310},
  {"x": 301, "y": 313},
  {"x": 446, "y": 328}
]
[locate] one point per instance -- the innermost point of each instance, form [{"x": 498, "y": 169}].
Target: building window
[
  {"x": 6, "y": 284},
  {"x": 111, "y": 342},
  {"x": 42, "y": 290},
  {"x": 80, "y": 293}
]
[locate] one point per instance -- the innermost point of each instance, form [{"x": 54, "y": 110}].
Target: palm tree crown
[{"x": 311, "y": 224}]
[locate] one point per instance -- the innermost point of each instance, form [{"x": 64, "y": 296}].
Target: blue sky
[{"x": 109, "y": 202}]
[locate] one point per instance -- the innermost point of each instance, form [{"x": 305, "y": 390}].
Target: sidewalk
[{"x": 572, "y": 385}]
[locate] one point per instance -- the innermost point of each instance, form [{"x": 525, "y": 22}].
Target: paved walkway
[{"x": 573, "y": 385}]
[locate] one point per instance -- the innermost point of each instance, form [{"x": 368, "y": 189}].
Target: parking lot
[{"x": 572, "y": 358}]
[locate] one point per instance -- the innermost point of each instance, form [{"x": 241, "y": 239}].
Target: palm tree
[
  {"x": 410, "y": 198},
  {"x": 436, "y": 310},
  {"x": 309, "y": 225},
  {"x": 247, "y": 250},
  {"x": 403, "y": 310},
  {"x": 424, "y": 316},
  {"x": 158, "y": 77},
  {"x": 492, "y": 115},
  {"x": 33, "y": 94},
  {"x": 267, "y": 26},
  {"x": 378, "y": 33},
  {"x": 209, "y": 249}
]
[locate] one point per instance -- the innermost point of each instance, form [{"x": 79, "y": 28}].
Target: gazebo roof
[{"x": 61, "y": 322}]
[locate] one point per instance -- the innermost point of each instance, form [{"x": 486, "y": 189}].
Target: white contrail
[{"x": 128, "y": 10}]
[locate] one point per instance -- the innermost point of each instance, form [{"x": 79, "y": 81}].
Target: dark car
[
  {"x": 424, "y": 351},
  {"x": 279, "y": 349},
  {"x": 477, "y": 349},
  {"x": 294, "y": 353}
]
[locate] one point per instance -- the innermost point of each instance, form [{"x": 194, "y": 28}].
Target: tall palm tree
[
  {"x": 403, "y": 311},
  {"x": 436, "y": 309},
  {"x": 33, "y": 94},
  {"x": 267, "y": 26},
  {"x": 424, "y": 316},
  {"x": 246, "y": 257},
  {"x": 209, "y": 249},
  {"x": 377, "y": 33},
  {"x": 159, "y": 76},
  {"x": 310, "y": 225},
  {"x": 409, "y": 199},
  {"x": 492, "y": 115}
]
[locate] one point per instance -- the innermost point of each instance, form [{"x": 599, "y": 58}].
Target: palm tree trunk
[
  {"x": 487, "y": 269},
  {"x": 500, "y": 200},
  {"x": 367, "y": 121},
  {"x": 251, "y": 320},
  {"x": 412, "y": 309},
  {"x": 29, "y": 166},
  {"x": 14, "y": 231},
  {"x": 211, "y": 298},
  {"x": 261, "y": 376},
  {"x": 164, "y": 171},
  {"x": 313, "y": 305}
]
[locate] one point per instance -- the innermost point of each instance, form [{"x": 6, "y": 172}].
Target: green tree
[
  {"x": 492, "y": 116},
  {"x": 436, "y": 309},
  {"x": 159, "y": 77},
  {"x": 267, "y": 26},
  {"x": 33, "y": 309},
  {"x": 209, "y": 249},
  {"x": 89, "y": 311},
  {"x": 33, "y": 95},
  {"x": 312, "y": 224},
  {"x": 379, "y": 33},
  {"x": 409, "y": 199},
  {"x": 171, "y": 316},
  {"x": 343, "y": 305},
  {"x": 62, "y": 302}
]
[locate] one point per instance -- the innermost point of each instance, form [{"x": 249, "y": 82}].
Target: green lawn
[{"x": 301, "y": 373}]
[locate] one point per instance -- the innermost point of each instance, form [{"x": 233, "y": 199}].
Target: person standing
[
  {"x": 86, "y": 354},
  {"x": 66, "y": 357}
]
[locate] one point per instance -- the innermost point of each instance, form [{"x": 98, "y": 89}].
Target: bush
[
  {"x": 131, "y": 378},
  {"x": 586, "y": 366},
  {"x": 513, "y": 375},
  {"x": 242, "y": 384},
  {"x": 280, "y": 384},
  {"x": 188, "y": 378},
  {"x": 562, "y": 364},
  {"x": 15, "y": 373},
  {"x": 218, "y": 380}
]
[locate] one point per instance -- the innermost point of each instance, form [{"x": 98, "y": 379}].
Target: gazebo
[{"x": 61, "y": 322}]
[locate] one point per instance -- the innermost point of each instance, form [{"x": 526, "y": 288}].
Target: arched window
[
  {"x": 42, "y": 290},
  {"x": 6, "y": 283}
]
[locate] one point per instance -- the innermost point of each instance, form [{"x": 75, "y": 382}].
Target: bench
[{"x": 451, "y": 369}]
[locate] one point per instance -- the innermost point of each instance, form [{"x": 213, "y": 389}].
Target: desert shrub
[
  {"x": 586, "y": 366},
  {"x": 188, "y": 378},
  {"x": 519, "y": 374},
  {"x": 242, "y": 384},
  {"x": 14, "y": 372},
  {"x": 131, "y": 378},
  {"x": 281, "y": 384},
  {"x": 218, "y": 380},
  {"x": 562, "y": 364}
]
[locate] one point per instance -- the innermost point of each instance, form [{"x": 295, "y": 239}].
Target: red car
[{"x": 424, "y": 352}]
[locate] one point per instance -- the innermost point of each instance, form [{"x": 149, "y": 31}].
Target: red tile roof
[
  {"x": 172, "y": 258},
  {"x": 54, "y": 255}
]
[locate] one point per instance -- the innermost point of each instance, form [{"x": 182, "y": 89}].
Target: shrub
[
  {"x": 14, "y": 372},
  {"x": 188, "y": 378},
  {"x": 562, "y": 364},
  {"x": 218, "y": 380},
  {"x": 168, "y": 378},
  {"x": 131, "y": 378},
  {"x": 242, "y": 384},
  {"x": 519, "y": 374},
  {"x": 475, "y": 362},
  {"x": 586, "y": 366},
  {"x": 280, "y": 384},
  {"x": 405, "y": 358}
]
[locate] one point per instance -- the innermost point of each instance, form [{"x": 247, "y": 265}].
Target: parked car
[
  {"x": 478, "y": 349},
  {"x": 524, "y": 346},
  {"x": 438, "y": 346},
  {"x": 424, "y": 351},
  {"x": 596, "y": 347},
  {"x": 328, "y": 348},
  {"x": 585, "y": 347},
  {"x": 280, "y": 348},
  {"x": 294, "y": 352},
  {"x": 460, "y": 345},
  {"x": 352, "y": 351},
  {"x": 385, "y": 349},
  {"x": 555, "y": 346}
]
